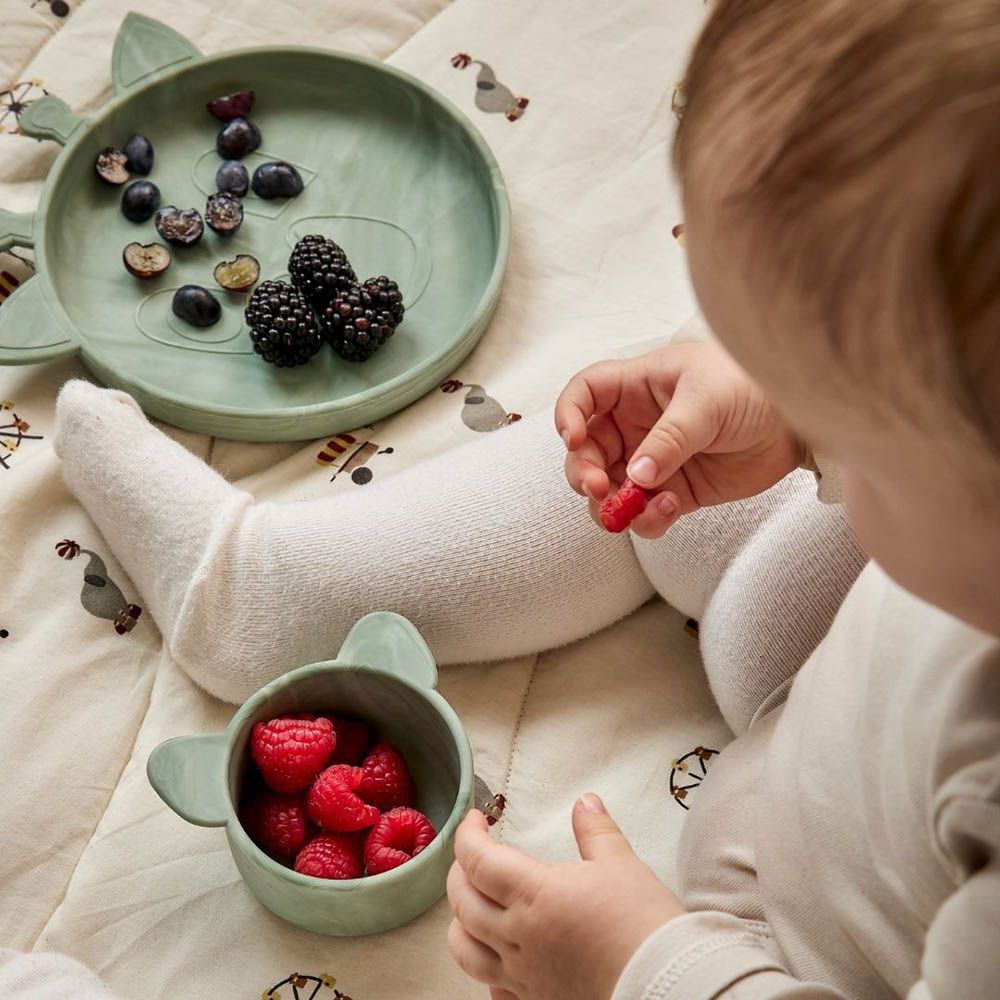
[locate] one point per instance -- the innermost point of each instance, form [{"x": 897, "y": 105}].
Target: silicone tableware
[
  {"x": 384, "y": 673},
  {"x": 392, "y": 171}
]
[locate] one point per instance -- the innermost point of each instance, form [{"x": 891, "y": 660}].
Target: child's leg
[
  {"x": 486, "y": 549},
  {"x": 773, "y": 570}
]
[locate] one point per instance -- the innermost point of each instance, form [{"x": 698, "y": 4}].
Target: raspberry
[
  {"x": 331, "y": 855},
  {"x": 619, "y": 511},
  {"x": 386, "y": 780},
  {"x": 353, "y": 739},
  {"x": 291, "y": 751},
  {"x": 399, "y": 835},
  {"x": 277, "y": 823},
  {"x": 334, "y": 803}
]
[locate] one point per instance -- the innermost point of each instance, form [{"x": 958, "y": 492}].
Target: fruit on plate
[
  {"x": 224, "y": 212},
  {"x": 112, "y": 166},
  {"x": 146, "y": 260},
  {"x": 182, "y": 227},
  {"x": 140, "y": 200},
  {"x": 232, "y": 176},
  {"x": 239, "y": 274},
  {"x": 196, "y": 305},
  {"x": 230, "y": 106},
  {"x": 619, "y": 511},
  {"x": 237, "y": 138},
  {"x": 355, "y": 325},
  {"x": 319, "y": 269},
  {"x": 385, "y": 294},
  {"x": 399, "y": 835},
  {"x": 291, "y": 750},
  {"x": 276, "y": 179},
  {"x": 139, "y": 154},
  {"x": 278, "y": 823},
  {"x": 283, "y": 328},
  {"x": 334, "y": 803},
  {"x": 332, "y": 855}
]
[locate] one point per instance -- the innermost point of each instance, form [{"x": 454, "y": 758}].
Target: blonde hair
[{"x": 855, "y": 145}]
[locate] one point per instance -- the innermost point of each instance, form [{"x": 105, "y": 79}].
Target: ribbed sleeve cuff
[{"x": 695, "y": 957}]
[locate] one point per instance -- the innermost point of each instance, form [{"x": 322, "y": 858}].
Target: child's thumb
[
  {"x": 597, "y": 834},
  {"x": 689, "y": 425}
]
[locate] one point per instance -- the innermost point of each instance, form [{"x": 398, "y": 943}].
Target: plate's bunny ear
[{"x": 143, "y": 48}]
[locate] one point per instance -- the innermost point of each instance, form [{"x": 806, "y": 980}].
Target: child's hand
[
  {"x": 534, "y": 931},
  {"x": 684, "y": 422}
]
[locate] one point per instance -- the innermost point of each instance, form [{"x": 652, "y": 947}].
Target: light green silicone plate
[{"x": 392, "y": 172}]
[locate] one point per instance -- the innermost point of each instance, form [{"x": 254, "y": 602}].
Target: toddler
[{"x": 839, "y": 163}]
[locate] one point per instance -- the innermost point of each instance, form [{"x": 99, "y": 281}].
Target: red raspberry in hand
[
  {"x": 619, "y": 511},
  {"x": 386, "y": 780},
  {"x": 334, "y": 804},
  {"x": 353, "y": 740},
  {"x": 331, "y": 855},
  {"x": 291, "y": 750},
  {"x": 277, "y": 823},
  {"x": 399, "y": 835}
]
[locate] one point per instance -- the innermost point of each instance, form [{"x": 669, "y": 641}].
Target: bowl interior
[
  {"x": 393, "y": 175},
  {"x": 403, "y": 715}
]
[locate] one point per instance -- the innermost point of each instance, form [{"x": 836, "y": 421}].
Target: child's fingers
[
  {"x": 660, "y": 515},
  {"x": 499, "y": 872},
  {"x": 593, "y": 391},
  {"x": 499, "y": 993},
  {"x": 473, "y": 957},
  {"x": 689, "y": 425},
  {"x": 476, "y": 913}
]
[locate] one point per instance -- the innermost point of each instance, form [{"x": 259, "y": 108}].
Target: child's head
[{"x": 841, "y": 171}]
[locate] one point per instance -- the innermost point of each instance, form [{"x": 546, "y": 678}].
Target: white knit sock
[
  {"x": 47, "y": 976},
  {"x": 485, "y": 549}
]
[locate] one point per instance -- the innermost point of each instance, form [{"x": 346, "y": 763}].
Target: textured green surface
[
  {"x": 393, "y": 173},
  {"x": 386, "y": 675}
]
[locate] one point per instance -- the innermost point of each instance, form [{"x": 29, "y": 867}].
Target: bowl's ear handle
[
  {"x": 189, "y": 774},
  {"x": 389, "y": 642},
  {"x": 28, "y": 330},
  {"x": 143, "y": 48}
]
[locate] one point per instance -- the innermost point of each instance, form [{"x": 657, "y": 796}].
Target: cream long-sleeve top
[{"x": 865, "y": 814}]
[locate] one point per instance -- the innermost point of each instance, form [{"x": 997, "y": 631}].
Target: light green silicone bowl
[
  {"x": 385, "y": 674},
  {"x": 393, "y": 172}
]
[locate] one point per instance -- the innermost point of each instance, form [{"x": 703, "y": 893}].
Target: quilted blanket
[{"x": 578, "y": 108}]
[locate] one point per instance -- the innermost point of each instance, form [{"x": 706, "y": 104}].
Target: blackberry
[
  {"x": 282, "y": 326},
  {"x": 386, "y": 295},
  {"x": 320, "y": 269},
  {"x": 355, "y": 325}
]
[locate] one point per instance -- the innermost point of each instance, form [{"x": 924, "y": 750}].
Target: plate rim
[{"x": 396, "y": 386}]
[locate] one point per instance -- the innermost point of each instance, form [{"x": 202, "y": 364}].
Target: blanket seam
[
  {"x": 114, "y": 788},
  {"x": 513, "y": 743}
]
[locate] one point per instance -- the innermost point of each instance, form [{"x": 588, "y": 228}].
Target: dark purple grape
[
  {"x": 140, "y": 200},
  {"x": 238, "y": 275},
  {"x": 196, "y": 305},
  {"x": 146, "y": 260},
  {"x": 224, "y": 212},
  {"x": 139, "y": 151},
  {"x": 232, "y": 176},
  {"x": 112, "y": 166},
  {"x": 183, "y": 227},
  {"x": 237, "y": 138},
  {"x": 276, "y": 180},
  {"x": 237, "y": 105}
]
